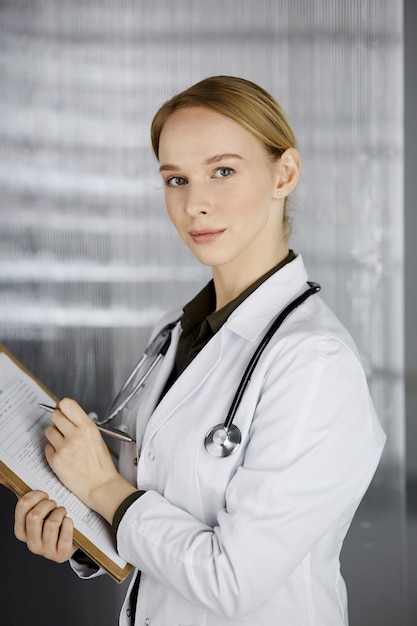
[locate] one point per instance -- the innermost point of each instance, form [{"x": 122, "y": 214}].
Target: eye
[
  {"x": 175, "y": 181},
  {"x": 223, "y": 172}
]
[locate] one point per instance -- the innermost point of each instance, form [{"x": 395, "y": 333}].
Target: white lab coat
[{"x": 254, "y": 538}]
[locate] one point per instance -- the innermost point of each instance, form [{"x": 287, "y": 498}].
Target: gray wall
[
  {"x": 410, "y": 217},
  {"x": 88, "y": 260},
  {"x": 410, "y": 231}
]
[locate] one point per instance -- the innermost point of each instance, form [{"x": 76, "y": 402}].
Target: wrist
[{"x": 107, "y": 497}]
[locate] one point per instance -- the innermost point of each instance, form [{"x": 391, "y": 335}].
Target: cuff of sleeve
[
  {"x": 121, "y": 510},
  {"x": 83, "y": 566},
  {"x": 82, "y": 559}
]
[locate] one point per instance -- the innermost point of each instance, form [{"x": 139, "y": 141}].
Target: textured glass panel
[{"x": 88, "y": 259}]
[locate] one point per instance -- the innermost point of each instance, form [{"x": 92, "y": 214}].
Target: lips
[{"x": 206, "y": 235}]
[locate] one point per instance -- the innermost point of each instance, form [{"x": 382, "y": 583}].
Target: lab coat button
[
  {"x": 147, "y": 621},
  {"x": 151, "y": 456},
  {"x": 135, "y": 461}
]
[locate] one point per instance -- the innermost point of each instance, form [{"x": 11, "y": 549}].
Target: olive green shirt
[{"x": 200, "y": 321}]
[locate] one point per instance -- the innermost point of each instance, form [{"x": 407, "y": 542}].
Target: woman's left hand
[
  {"x": 80, "y": 458},
  {"x": 44, "y": 527}
]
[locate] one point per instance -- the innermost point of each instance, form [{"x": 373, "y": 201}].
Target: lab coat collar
[
  {"x": 251, "y": 317},
  {"x": 248, "y": 321}
]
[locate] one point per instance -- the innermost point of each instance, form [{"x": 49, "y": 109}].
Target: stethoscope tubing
[
  {"x": 223, "y": 439},
  {"x": 157, "y": 348},
  {"x": 314, "y": 288}
]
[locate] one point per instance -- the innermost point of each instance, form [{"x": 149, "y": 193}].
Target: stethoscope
[{"x": 223, "y": 439}]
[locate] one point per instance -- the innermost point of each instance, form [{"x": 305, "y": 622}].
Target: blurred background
[{"x": 89, "y": 260}]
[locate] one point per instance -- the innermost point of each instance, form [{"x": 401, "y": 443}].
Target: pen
[{"x": 111, "y": 432}]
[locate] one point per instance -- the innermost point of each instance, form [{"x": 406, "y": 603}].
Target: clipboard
[{"x": 106, "y": 557}]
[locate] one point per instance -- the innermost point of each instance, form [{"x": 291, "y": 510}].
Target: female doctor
[{"x": 250, "y": 535}]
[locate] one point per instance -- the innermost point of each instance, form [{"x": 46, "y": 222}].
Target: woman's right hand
[{"x": 44, "y": 527}]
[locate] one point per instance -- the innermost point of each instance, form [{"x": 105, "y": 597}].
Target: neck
[{"x": 230, "y": 282}]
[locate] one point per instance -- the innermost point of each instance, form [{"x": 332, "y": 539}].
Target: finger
[
  {"x": 26, "y": 502},
  {"x": 57, "y": 535},
  {"x": 55, "y": 435},
  {"x": 52, "y": 523},
  {"x": 35, "y": 523},
  {"x": 65, "y": 547},
  {"x": 72, "y": 411},
  {"x": 29, "y": 520},
  {"x": 68, "y": 417}
]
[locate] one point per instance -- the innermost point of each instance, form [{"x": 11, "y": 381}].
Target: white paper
[{"x": 22, "y": 442}]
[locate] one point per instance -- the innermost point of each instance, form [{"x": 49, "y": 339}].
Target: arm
[{"x": 79, "y": 456}]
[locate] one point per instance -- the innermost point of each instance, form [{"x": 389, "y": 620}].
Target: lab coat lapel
[
  {"x": 187, "y": 384},
  {"x": 248, "y": 321},
  {"x": 154, "y": 389}
]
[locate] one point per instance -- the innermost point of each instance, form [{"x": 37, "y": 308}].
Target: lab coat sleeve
[{"x": 314, "y": 446}]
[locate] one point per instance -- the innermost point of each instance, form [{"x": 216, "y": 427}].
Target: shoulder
[
  {"x": 314, "y": 321},
  {"x": 314, "y": 350},
  {"x": 314, "y": 383}
]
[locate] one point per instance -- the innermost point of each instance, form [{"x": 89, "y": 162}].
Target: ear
[{"x": 289, "y": 170}]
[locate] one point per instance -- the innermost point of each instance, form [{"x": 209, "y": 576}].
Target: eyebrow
[{"x": 210, "y": 161}]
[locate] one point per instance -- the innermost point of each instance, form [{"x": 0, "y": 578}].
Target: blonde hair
[{"x": 241, "y": 100}]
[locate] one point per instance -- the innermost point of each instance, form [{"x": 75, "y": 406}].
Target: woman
[{"x": 253, "y": 537}]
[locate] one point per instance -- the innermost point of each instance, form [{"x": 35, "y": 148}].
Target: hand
[
  {"x": 80, "y": 458},
  {"x": 44, "y": 527}
]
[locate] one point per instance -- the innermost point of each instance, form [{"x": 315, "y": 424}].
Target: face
[{"x": 222, "y": 191}]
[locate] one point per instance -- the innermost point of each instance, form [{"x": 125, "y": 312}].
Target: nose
[{"x": 197, "y": 200}]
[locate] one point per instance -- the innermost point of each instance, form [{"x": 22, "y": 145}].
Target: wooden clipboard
[{"x": 118, "y": 573}]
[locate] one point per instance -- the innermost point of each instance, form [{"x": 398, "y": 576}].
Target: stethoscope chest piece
[{"x": 222, "y": 441}]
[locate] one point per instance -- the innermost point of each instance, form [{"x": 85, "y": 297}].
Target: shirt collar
[{"x": 202, "y": 306}]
